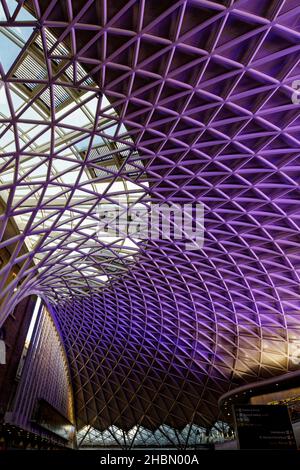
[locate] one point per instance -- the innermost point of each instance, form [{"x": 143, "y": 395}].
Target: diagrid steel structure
[{"x": 155, "y": 102}]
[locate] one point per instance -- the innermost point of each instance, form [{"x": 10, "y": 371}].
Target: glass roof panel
[
  {"x": 54, "y": 167},
  {"x": 8, "y": 52}
]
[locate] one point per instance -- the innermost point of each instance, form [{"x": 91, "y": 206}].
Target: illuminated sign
[{"x": 264, "y": 427}]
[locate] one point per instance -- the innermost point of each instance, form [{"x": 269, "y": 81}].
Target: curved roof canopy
[{"x": 161, "y": 102}]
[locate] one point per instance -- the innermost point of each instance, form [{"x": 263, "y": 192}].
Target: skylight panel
[
  {"x": 61, "y": 149},
  {"x": 8, "y": 52}
]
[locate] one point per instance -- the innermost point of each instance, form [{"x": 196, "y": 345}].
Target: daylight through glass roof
[{"x": 70, "y": 137}]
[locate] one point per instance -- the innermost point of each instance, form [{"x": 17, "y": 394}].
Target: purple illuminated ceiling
[{"x": 199, "y": 100}]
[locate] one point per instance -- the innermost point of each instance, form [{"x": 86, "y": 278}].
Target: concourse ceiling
[{"x": 155, "y": 102}]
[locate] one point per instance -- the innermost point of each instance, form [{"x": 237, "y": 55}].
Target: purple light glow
[{"x": 197, "y": 103}]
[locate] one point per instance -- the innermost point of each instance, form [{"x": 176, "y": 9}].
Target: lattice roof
[{"x": 197, "y": 96}]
